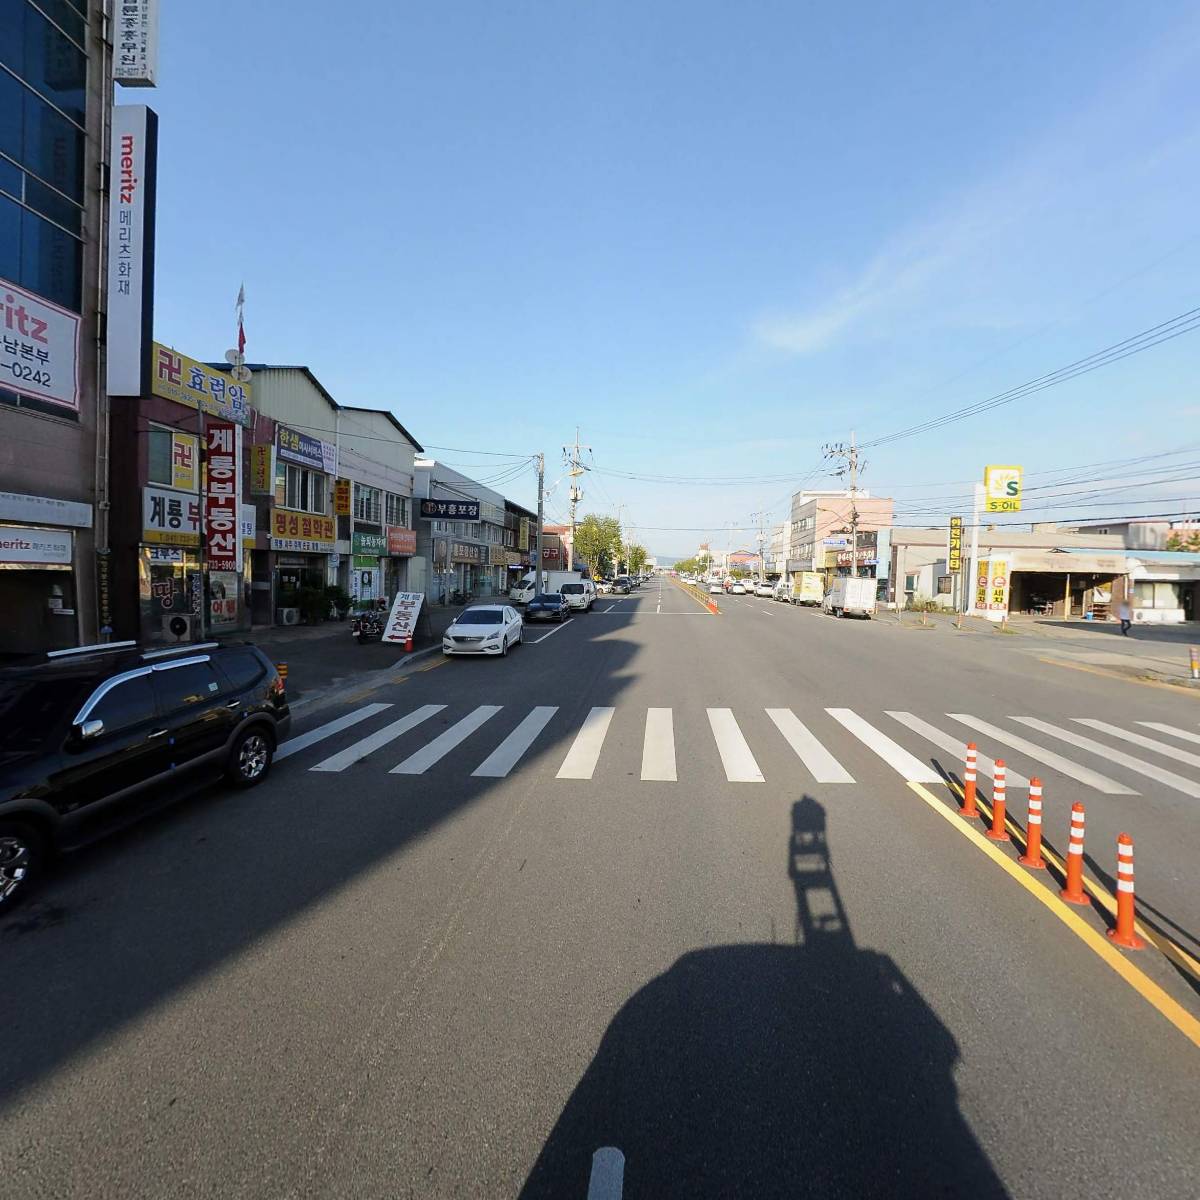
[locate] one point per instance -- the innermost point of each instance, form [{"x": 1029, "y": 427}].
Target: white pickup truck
[
  {"x": 850, "y": 596},
  {"x": 552, "y": 581}
]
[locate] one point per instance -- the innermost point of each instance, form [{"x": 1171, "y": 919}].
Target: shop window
[
  {"x": 368, "y": 503},
  {"x": 128, "y": 704},
  {"x": 159, "y": 441},
  {"x": 945, "y": 585},
  {"x": 305, "y": 490},
  {"x": 1148, "y": 594}
]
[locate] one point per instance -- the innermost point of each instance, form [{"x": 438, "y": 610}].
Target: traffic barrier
[
  {"x": 1124, "y": 935},
  {"x": 998, "y": 833},
  {"x": 1073, "y": 893},
  {"x": 282, "y": 669},
  {"x": 1033, "y": 837},
  {"x": 968, "y": 808}
]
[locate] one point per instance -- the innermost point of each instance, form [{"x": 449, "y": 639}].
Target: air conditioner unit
[
  {"x": 179, "y": 627},
  {"x": 287, "y": 616}
]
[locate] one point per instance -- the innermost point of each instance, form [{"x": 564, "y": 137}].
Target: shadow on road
[{"x": 803, "y": 1071}]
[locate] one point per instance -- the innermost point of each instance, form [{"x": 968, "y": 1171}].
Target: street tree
[
  {"x": 637, "y": 556},
  {"x": 598, "y": 542}
]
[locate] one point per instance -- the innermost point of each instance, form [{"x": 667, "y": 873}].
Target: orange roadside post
[
  {"x": 998, "y": 833},
  {"x": 1124, "y": 935},
  {"x": 1073, "y": 893},
  {"x": 968, "y": 808},
  {"x": 1033, "y": 838}
]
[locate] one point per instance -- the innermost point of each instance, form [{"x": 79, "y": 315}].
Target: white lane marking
[
  {"x": 508, "y": 753},
  {"x": 910, "y": 768},
  {"x": 659, "y": 608},
  {"x": 1072, "y": 770},
  {"x": 1169, "y": 778},
  {"x": 585, "y": 749},
  {"x": 1138, "y": 739},
  {"x": 609, "y": 608},
  {"x": 824, "y": 767},
  {"x": 736, "y": 757},
  {"x": 658, "y": 749},
  {"x": 423, "y": 759},
  {"x": 296, "y": 744},
  {"x": 556, "y": 629},
  {"x": 957, "y": 747},
  {"x": 1186, "y": 734},
  {"x": 381, "y": 737},
  {"x": 607, "y": 1181}
]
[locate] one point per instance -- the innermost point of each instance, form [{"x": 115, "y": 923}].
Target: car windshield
[
  {"x": 571, "y": 589},
  {"x": 480, "y": 616},
  {"x": 31, "y": 708}
]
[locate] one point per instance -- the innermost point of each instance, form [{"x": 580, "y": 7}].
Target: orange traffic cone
[
  {"x": 1033, "y": 838},
  {"x": 998, "y": 833},
  {"x": 1073, "y": 893},
  {"x": 1123, "y": 934},
  {"x": 968, "y": 809}
]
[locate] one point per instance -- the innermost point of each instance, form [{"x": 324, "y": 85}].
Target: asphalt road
[{"x": 660, "y": 881}]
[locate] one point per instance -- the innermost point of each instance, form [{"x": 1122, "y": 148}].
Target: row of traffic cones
[{"x": 1124, "y": 933}]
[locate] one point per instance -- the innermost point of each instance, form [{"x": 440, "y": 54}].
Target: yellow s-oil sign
[{"x": 1002, "y": 486}]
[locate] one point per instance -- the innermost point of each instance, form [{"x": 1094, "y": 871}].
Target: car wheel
[
  {"x": 22, "y": 857},
  {"x": 521, "y": 636},
  {"x": 250, "y": 759}
]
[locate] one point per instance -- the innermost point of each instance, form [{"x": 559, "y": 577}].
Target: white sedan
[
  {"x": 762, "y": 588},
  {"x": 715, "y": 588},
  {"x": 484, "y": 629},
  {"x": 738, "y": 589}
]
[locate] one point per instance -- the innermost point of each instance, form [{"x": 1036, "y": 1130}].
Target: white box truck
[
  {"x": 850, "y": 596},
  {"x": 523, "y": 592}
]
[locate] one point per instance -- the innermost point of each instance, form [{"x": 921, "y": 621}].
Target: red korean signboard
[
  {"x": 221, "y": 493},
  {"x": 401, "y": 541}
]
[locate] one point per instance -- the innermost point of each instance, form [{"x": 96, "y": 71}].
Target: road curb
[{"x": 332, "y": 693}]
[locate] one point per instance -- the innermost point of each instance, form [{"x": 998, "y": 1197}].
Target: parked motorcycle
[{"x": 368, "y": 625}]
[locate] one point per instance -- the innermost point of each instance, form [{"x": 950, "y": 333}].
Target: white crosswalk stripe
[
  {"x": 1169, "y": 778},
  {"x": 389, "y": 733},
  {"x": 957, "y": 747},
  {"x": 1072, "y": 770},
  {"x": 1186, "y": 734},
  {"x": 296, "y": 744},
  {"x": 508, "y": 753},
  {"x": 910, "y": 768},
  {"x": 435, "y": 751},
  {"x": 736, "y": 757},
  {"x": 1183, "y": 756},
  {"x": 584, "y": 753},
  {"x": 658, "y": 748},
  {"x": 824, "y": 767}
]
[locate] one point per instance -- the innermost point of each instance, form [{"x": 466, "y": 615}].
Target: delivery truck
[
  {"x": 850, "y": 596},
  {"x": 808, "y": 587},
  {"x": 522, "y": 592}
]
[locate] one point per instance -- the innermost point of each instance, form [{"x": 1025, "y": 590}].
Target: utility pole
[
  {"x": 537, "y": 552},
  {"x": 761, "y": 537},
  {"x": 849, "y": 465},
  {"x": 575, "y": 468}
]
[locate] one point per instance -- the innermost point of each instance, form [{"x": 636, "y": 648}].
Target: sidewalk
[{"x": 326, "y": 655}]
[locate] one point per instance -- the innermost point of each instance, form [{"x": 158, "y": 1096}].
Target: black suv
[{"x": 81, "y": 729}]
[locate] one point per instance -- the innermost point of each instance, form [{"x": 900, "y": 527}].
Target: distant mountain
[{"x": 667, "y": 560}]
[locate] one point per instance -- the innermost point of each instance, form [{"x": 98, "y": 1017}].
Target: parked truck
[
  {"x": 523, "y": 592},
  {"x": 808, "y": 587},
  {"x": 850, "y": 595}
]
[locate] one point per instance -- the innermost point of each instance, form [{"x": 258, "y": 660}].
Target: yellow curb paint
[
  {"x": 1173, "y": 1011},
  {"x": 1176, "y": 689}
]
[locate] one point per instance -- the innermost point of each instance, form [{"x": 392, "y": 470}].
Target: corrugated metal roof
[{"x": 1182, "y": 557}]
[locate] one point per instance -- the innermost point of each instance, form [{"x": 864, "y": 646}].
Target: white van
[
  {"x": 580, "y": 594},
  {"x": 524, "y": 591}
]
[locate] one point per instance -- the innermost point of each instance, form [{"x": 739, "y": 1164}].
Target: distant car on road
[
  {"x": 763, "y": 588},
  {"x": 484, "y": 629},
  {"x": 604, "y": 587},
  {"x": 549, "y": 606},
  {"x": 622, "y": 586},
  {"x": 738, "y": 588},
  {"x": 87, "y": 731},
  {"x": 782, "y": 591},
  {"x": 715, "y": 588}
]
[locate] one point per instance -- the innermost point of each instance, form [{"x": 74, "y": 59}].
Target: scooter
[{"x": 368, "y": 625}]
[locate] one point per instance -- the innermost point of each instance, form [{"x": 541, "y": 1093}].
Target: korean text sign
[
  {"x": 39, "y": 347},
  {"x": 1002, "y": 486},
  {"x": 186, "y": 381},
  {"x": 300, "y": 448},
  {"x": 453, "y": 510},
  {"x": 316, "y": 532},
  {"x": 402, "y": 620},
  {"x": 341, "y": 497},
  {"x": 955, "y": 546},
  {"x": 222, "y": 494},
  {"x": 170, "y": 518}
]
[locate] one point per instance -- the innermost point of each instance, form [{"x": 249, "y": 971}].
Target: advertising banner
[
  {"x": 368, "y": 543},
  {"x": 302, "y": 532},
  {"x": 954, "y": 546},
  {"x": 302, "y": 449},
  {"x": 401, "y": 541},
  {"x": 454, "y": 510},
  {"x": 463, "y": 552},
  {"x": 223, "y": 547},
  {"x": 186, "y": 381},
  {"x": 131, "y": 203},
  {"x": 523, "y": 534},
  {"x": 262, "y": 470},
  {"x": 247, "y": 522},
  {"x": 1002, "y": 486},
  {"x": 341, "y": 497},
  {"x": 170, "y": 518},
  {"x": 549, "y": 553},
  {"x": 982, "y": 575},
  {"x": 44, "y": 547},
  {"x": 39, "y": 347},
  {"x": 402, "y": 621},
  {"x": 44, "y": 510},
  {"x": 135, "y": 43},
  {"x": 185, "y": 452}
]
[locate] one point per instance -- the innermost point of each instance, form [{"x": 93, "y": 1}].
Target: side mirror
[{"x": 90, "y": 729}]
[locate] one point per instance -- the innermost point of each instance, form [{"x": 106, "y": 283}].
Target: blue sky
[{"x": 714, "y": 235}]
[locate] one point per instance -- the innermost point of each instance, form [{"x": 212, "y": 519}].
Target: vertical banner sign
[
  {"x": 222, "y": 544},
  {"x": 954, "y": 546},
  {"x": 133, "y": 167},
  {"x": 341, "y": 497},
  {"x": 1002, "y": 486},
  {"x": 998, "y": 580},
  {"x": 135, "y": 43},
  {"x": 262, "y": 470},
  {"x": 982, "y": 578}
]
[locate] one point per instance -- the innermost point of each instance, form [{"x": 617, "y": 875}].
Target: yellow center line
[{"x": 1150, "y": 991}]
